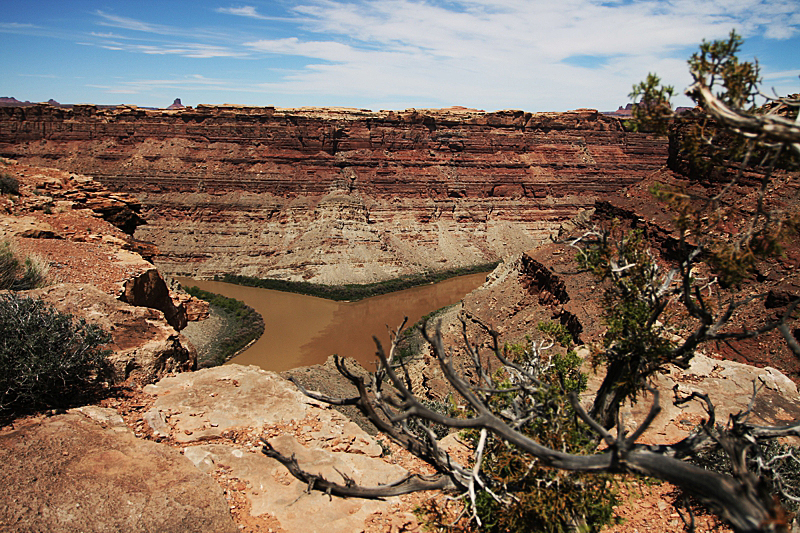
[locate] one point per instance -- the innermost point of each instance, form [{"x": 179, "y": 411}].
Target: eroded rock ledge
[{"x": 94, "y": 270}]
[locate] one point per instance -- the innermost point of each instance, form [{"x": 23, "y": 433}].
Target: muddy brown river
[{"x": 304, "y": 330}]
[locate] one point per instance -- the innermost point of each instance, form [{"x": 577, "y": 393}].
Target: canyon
[
  {"x": 331, "y": 196},
  {"x": 338, "y": 195}
]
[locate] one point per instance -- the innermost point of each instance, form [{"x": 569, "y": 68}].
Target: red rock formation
[
  {"x": 306, "y": 151},
  {"x": 382, "y": 193}
]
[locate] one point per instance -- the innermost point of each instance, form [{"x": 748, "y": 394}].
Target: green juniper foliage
[
  {"x": 635, "y": 345},
  {"x": 544, "y": 499}
]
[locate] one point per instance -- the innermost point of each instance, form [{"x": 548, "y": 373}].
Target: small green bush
[
  {"x": 19, "y": 275},
  {"x": 8, "y": 184},
  {"x": 47, "y": 358},
  {"x": 542, "y": 499},
  {"x": 546, "y": 499}
]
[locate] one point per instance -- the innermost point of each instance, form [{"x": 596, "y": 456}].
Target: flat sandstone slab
[
  {"x": 86, "y": 471},
  {"x": 222, "y": 414}
]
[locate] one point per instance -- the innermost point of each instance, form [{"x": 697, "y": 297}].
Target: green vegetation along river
[{"x": 304, "y": 330}]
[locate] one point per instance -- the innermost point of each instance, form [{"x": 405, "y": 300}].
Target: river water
[{"x": 304, "y": 330}]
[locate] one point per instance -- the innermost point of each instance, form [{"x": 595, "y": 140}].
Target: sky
[{"x": 535, "y": 55}]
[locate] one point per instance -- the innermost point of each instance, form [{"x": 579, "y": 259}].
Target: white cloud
[
  {"x": 147, "y": 29},
  {"x": 780, "y": 31},
  {"x": 327, "y": 50},
  {"x": 127, "y": 23},
  {"x": 507, "y": 53},
  {"x": 244, "y": 11},
  {"x": 491, "y": 54},
  {"x": 194, "y": 83},
  {"x": 196, "y": 50},
  {"x": 15, "y": 26},
  {"x": 782, "y": 75}
]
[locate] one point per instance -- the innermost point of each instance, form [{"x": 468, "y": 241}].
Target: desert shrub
[
  {"x": 420, "y": 427},
  {"x": 17, "y": 274},
  {"x": 549, "y": 500},
  {"x": 545, "y": 499},
  {"x": 777, "y": 464},
  {"x": 8, "y": 184},
  {"x": 47, "y": 358}
]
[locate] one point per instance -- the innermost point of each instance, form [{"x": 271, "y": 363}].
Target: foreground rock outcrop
[
  {"x": 187, "y": 457},
  {"x": 333, "y": 195},
  {"x": 143, "y": 345},
  {"x": 94, "y": 269},
  {"x": 222, "y": 414},
  {"x": 86, "y": 471}
]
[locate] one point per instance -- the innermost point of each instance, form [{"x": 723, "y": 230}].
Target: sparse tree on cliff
[{"x": 718, "y": 244}]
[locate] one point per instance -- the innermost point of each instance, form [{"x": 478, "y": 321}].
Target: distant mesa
[
  {"x": 176, "y": 104},
  {"x": 10, "y": 101},
  {"x": 627, "y": 111},
  {"x": 623, "y": 112}
]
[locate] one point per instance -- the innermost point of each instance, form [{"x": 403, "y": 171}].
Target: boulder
[
  {"x": 145, "y": 347},
  {"x": 223, "y": 414},
  {"x": 28, "y": 227},
  {"x": 729, "y": 385},
  {"x": 86, "y": 471},
  {"x": 148, "y": 289}
]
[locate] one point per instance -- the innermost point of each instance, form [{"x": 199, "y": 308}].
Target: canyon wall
[{"x": 338, "y": 195}]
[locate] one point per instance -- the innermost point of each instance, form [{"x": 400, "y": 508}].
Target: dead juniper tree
[{"x": 719, "y": 242}]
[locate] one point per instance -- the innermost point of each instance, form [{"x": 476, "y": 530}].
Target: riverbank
[
  {"x": 304, "y": 330},
  {"x": 231, "y": 328},
  {"x": 356, "y": 292}
]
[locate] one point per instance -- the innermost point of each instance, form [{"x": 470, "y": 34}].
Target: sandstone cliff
[
  {"x": 333, "y": 195},
  {"x": 76, "y": 229}
]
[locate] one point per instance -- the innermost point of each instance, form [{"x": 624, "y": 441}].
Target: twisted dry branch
[{"x": 740, "y": 499}]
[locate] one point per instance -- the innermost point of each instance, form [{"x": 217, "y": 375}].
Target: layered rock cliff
[
  {"x": 74, "y": 228},
  {"x": 338, "y": 195}
]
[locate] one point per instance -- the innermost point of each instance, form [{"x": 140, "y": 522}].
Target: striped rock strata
[{"x": 338, "y": 195}]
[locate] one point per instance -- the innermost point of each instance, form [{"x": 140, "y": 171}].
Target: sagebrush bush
[
  {"x": 17, "y": 274},
  {"x": 48, "y": 359},
  {"x": 8, "y": 184}
]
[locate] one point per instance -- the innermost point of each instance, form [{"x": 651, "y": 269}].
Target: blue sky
[{"x": 536, "y": 55}]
